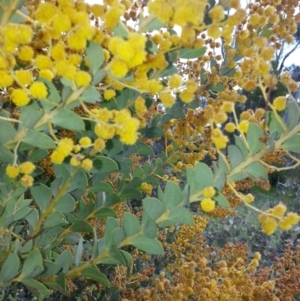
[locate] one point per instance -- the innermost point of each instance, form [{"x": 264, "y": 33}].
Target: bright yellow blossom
[
  {"x": 38, "y": 90},
  {"x": 27, "y": 167},
  {"x": 209, "y": 192},
  {"x": 208, "y": 205},
  {"x": 65, "y": 146},
  {"x": 82, "y": 78},
  {"x": 24, "y": 77},
  {"x": 87, "y": 164},
  {"x": 85, "y": 142},
  {"x": 57, "y": 157},
  {"x": 230, "y": 127},
  {"x": 27, "y": 181},
  {"x": 20, "y": 97},
  {"x": 118, "y": 68},
  {"x": 279, "y": 103},
  {"x": 109, "y": 94},
  {"x": 12, "y": 171}
]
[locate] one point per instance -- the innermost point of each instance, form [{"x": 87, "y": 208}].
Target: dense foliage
[{"x": 126, "y": 126}]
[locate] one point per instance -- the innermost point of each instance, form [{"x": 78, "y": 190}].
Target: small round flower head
[
  {"x": 243, "y": 126},
  {"x": 118, "y": 68},
  {"x": 279, "y": 103},
  {"x": 25, "y": 53},
  {"x": 27, "y": 167},
  {"x": 87, "y": 164},
  {"x": 12, "y": 171},
  {"x": 269, "y": 225},
  {"x": 175, "y": 81},
  {"x": 227, "y": 106},
  {"x": 27, "y": 181},
  {"x": 208, "y": 205},
  {"x": 85, "y": 142},
  {"x": 186, "y": 96},
  {"x": 38, "y": 90},
  {"x": 74, "y": 161},
  {"x": 46, "y": 74},
  {"x": 82, "y": 78},
  {"x": 209, "y": 192},
  {"x": 140, "y": 106},
  {"x": 24, "y": 77},
  {"x": 109, "y": 94},
  {"x": 167, "y": 99},
  {"x": 249, "y": 198},
  {"x": 99, "y": 144},
  {"x": 104, "y": 131},
  {"x": 20, "y": 97},
  {"x": 217, "y": 13},
  {"x": 65, "y": 146},
  {"x": 230, "y": 127},
  {"x": 57, "y": 157},
  {"x": 279, "y": 210},
  {"x": 43, "y": 62}
]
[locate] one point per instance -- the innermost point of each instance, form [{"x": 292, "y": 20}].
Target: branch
[{"x": 287, "y": 55}]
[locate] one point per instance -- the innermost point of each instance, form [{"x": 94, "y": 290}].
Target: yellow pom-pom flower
[
  {"x": 27, "y": 181},
  {"x": 27, "y": 167},
  {"x": 85, "y": 142},
  {"x": 230, "y": 127},
  {"x": 140, "y": 106},
  {"x": 217, "y": 13},
  {"x": 104, "y": 131},
  {"x": 12, "y": 171},
  {"x": 43, "y": 62},
  {"x": 38, "y": 90},
  {"x": 74, "y": 161},
  {"x": 186, "y": 96},
  {"x": 109, "y": 94},
  {"x": 6, "y": 79},
  {"x": 24, "y": 77},
  {"x": 65, "y": 146},
  {"x": 118, "y": 68},
  {"x": 208, "y": 205},
  {"x": 269, "y": 225},
  {"x": 279, "y": 103},
  {"x": 209, "y": 192},
  {"x": 25, "y": 53},
  {"x": 167, "y": 99},
  {"x": 57, "y": 157},
  {"x": 243, "y": 126},
  {"x": 99, "y": 144},
  {"x": 82, "y": 78},
  {"x": 46, "y": 74},
  {"x": 87, "y": 164},
  {"x": 249, "y": 198},
  {"x": 20, "y": 97},
  {"x": 58, "y": 52},
  {"x": 279, "y": 210},
  {"x": 175, "y": 81}
]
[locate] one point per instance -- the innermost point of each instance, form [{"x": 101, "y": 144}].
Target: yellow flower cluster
[
  {"x": 181, "y": 13},
  {"x": 111, "y": 122},
  {"x": 269, "y": 223},
  {"x": 25, "y": 168},
  {"x": 218, "y": 138},
  {"x": 127, "y": 53}
]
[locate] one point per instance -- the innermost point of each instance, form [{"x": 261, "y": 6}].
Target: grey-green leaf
[
  {"x": 42, "y": 195},
  {"x": 148, "y": 245},
  {"x": 95, "y": 56},
  {"x": 153, "y": 207},
  {"x": 39, "y": 139},
  {"x": 131, "y": 224},
  {"x": 10, "y": 268},
  {"x": 191, "y": 53},
  {"x": 253, "y": 135},
  {"x": 67, "y": 119}
]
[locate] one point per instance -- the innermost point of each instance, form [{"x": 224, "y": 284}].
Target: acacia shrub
[{"x": 85, "y": 94}]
